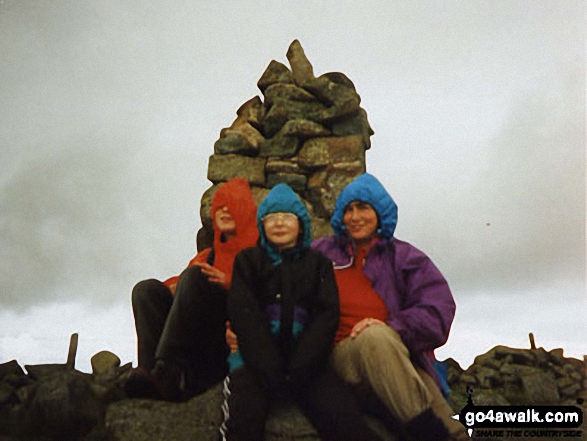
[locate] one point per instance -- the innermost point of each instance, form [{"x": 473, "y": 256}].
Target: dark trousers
[
  {"x": 325, "y": 400},
  {"x": 187, "y": 330}
]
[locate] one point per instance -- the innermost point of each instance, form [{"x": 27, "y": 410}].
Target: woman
[
  {"x": 396, "y": 308},
  {"x": 180, "y": 323}
]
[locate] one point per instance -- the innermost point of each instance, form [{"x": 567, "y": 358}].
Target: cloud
[{"x": 59, "y": 214}]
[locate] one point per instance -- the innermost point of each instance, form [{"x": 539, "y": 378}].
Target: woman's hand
[
  {"x": 231, "y": 339},
  {"x": 214, "y": 274},
  {"x": 364, "y": 324}
]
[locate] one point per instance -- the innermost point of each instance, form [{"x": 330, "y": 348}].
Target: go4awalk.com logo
[{"x": 521, "y": 421}]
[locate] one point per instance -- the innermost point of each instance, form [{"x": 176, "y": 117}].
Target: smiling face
[
  {"x": 360, "y": 221},
  {"x": 281, "y": 229},
  {"x": 225, "y": 223}
]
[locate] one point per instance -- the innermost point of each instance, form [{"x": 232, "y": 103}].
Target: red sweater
[{"x": 358, "y": 299}]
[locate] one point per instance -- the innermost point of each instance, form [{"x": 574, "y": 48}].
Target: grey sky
[{"x": 110, "y": 111}]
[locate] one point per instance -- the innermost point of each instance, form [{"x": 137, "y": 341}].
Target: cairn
[{"x": 309, "y": 132}]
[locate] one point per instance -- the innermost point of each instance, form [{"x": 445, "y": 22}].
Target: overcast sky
[{"x": 110, "y": 110}]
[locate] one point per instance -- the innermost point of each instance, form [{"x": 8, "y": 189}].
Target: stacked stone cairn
[
  {"x": 510, "y": 376},
  {"x": 309, "y": 132}
]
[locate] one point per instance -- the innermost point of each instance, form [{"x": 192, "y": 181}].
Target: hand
[
  {"x": 364, "y": 324},
  {"x": 214, "y": 274},
  {"x": 231, "y": 339}
]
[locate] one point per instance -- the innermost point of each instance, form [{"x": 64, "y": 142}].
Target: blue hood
[
  {"x": 366, "y": 188},
  {"x": 282, "y": 199}
]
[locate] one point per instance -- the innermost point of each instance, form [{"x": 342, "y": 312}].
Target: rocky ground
[{"x": 57, "y": 402}]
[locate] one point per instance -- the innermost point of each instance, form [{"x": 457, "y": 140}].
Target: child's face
[
  {"x": 281, "y": 229},
  {"x": 225, "y": 222}
]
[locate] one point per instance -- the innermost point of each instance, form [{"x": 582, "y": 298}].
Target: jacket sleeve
[
  {"x": 251, "y": 325},
  {"x": 428, "y": 309},
  {"x": 199, "y": 258},
  {"x": 316, "y": 341}
]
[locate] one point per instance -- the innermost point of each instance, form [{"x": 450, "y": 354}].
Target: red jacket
[{"x": 236, "y": 195}]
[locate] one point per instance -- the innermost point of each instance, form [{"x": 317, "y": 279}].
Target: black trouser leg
[
  {"x": 151, "y": 303},
  {"x": 245, "y": 407},
  {"x": 194, "y": 333},
  {"x": 331, "y": 407}
]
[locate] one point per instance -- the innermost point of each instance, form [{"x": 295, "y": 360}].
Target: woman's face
[
  {"x": 225, "y": 222},
  {"x": 360, "y": 221},
  {"x": 282, "y": 229}
]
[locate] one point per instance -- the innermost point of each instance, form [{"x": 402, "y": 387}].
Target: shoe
[
  {"x": 140, "y": 384},
  {"x": 427, "y": 427},
  {"x": 161, "y": 383}
]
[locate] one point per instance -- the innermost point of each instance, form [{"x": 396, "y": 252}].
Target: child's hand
[
  {"x": 364, "y": 324},
  {"x": 231, "y": 339},
  {"x": 214, "y": 274}
]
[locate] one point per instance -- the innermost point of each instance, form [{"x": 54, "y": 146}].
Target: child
[
  {"x": 180, "y": 322},
  {"x": 283, "y": 305}
]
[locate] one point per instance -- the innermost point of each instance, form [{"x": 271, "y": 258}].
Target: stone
[
  {"x": 283, "y": 165},
  {"x": 354, "y": 168},
  {"x": 65, "y": 407},
  {"x": 296, "y": 181},
  {"x": 539, "y": 389},
  {"x": 301, "y": 67},
  {"x": 200, "y": 419},
  {"x": 284, "y": 110},
  {"x": 259, "y": 194},
  {"x": 10, "y": 367},
  {"x": 286, "y": 91},
  {"x": 321, "y": 228},
  {"x": 7, "y": 393},
  {"x": 344, "y": 149},
  {"x": 276, "y": 72},
  {"x": 38, "y": 371},
  {"x": 303, "y": 129},
  {"x": 104, "y": 366},
  {"x": 354, "y": 125},
  {"x": 341, "y": 101},
  {"x": 280, "y": 145},
  {"x": 225, "y": 167},
  {"x": 252, "y": 111},
  {"x": 339, "y": 78},
  {"x": 237, "y": 142},
  {"x": 314, "y": 154}
]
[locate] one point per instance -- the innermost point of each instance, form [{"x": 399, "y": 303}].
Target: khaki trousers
[{"x": 378, "y": 362}]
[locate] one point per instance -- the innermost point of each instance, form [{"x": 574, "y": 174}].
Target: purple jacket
[{"x": 420, "y": 304}]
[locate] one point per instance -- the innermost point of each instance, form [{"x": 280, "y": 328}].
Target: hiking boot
[
  {"x": 427, "y": 427},
  {"x": 161, "y": 383}
]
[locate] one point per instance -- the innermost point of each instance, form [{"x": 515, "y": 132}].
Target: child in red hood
[{"x": 180, "y": 323}]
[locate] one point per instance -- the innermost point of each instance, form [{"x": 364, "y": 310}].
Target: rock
[
  {"x": 539, "y": 388},
  {"x": 321, "y": 228},
  {"x": 280, "y": 145},
  {"x": 284, "y": 110},
  {"x": 39, "y": 371},
  {"x": 245, "y": 141},
  {"x": 303, "y": 129},
  {"x": 283, "y": 165},
  {"x": 105, "y": 366},
  {"x": 286, "y": 91},
  {"x": 314, "y": 155},
  {"x": 296, "y": 181},
  {"x": 200, "y": 419},
  {"x": 276, "y": 72},
  {"x": 341, "y": 101},
  {"x": 301, "y": 68},
  {"x": 225, "y": 167},
  {"x": 64, "y": 406},
  {"x": 252, "y": 111},
  {"x": 10, "y": 367},
  {"x": 354, "y": 125}
]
